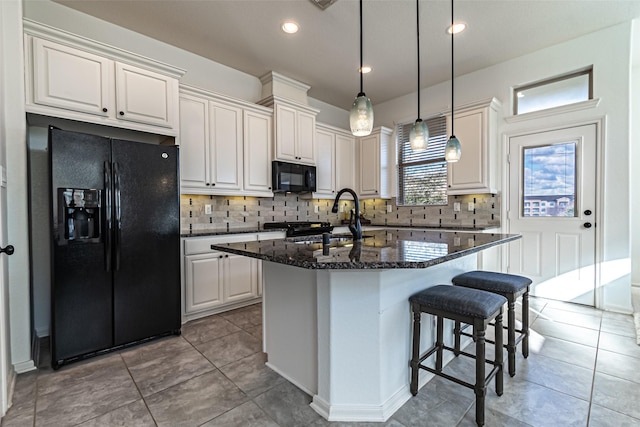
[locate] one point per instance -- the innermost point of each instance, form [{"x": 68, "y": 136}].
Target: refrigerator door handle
[
  {"x": 108, "y": 220},
  {"x": 118, "y": 224}
]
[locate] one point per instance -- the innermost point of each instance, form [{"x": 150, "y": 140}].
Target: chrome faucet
[{"x": 354, "y": 225}]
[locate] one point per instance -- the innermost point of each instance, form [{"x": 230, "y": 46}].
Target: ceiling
[{"x": 246, "y": 35}]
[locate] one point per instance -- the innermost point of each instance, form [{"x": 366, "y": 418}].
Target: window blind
[{"x": 422, "y": 175}]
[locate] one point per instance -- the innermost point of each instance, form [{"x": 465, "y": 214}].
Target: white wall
[
  {"x": 635, "y": 154},
  {"x": 14, "y": 134},
  {"x": 608, "y": 51}
]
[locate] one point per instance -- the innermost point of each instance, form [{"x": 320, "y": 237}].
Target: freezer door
[
  {"x": 81, "y": 291},
  {"x": 146, "y": 259}
]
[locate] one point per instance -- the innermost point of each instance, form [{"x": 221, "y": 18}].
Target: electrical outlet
[
  {"x": 389, "y": 208},
  {"x": 207, "y": 209},
  {"x": 316, "y": 209},
  {"x": 470, "y": 207},
  {"x": 341, "y": 209},
  {"x": 456, "y": 206}
]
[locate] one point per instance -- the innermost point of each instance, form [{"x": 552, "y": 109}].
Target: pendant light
[
  {"x": 419, "y": 134},
  {"x": 452, "y": 151},
  {"x": 361, "y": 116}
]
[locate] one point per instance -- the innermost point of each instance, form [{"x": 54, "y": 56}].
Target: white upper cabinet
[
  {"x": 257, "y": 151},
  {"x": 376, "y": 164},
  {"x": 295, "y": 131},
  {"x": 476, "y": 128},
  {"x": 71, "y": 79},
  {"x": 194, "y": 142},
  {"x": 335, "y": 161},
  {"x": 144, "y": 96},
  {"x": 74, "y": 78},
  {"x": 225, "y": 145},
  {"x": 345, "y": 168},
  {"x": 325, "y": 163}
]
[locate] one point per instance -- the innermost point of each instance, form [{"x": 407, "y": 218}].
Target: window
[
  {"x": 554, "y": 92},
  {"x": 422, "y": 175},
  {"x": 550, "y": 177}
]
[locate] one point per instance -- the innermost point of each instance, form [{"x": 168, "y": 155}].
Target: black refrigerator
[{"x": 115, "y": 213}]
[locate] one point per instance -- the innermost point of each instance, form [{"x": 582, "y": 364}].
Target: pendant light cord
[
  {"x": 361, "y": 56},
  {"x": 452, "y": 132},
  {"x": 418, "y": 39}
]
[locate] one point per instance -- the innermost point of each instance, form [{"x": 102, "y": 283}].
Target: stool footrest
[
  {"x": 467, "y": 334},
  {"x": 488, "y": 378}
]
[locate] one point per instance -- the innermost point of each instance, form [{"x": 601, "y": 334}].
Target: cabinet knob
[
  {"x": 122, "y": 113},
  {"x": 220, "y": 256},
  {"x": 213, "y": 183},
  {"x": 207, "y": 183},
  {"x": 104, "y": 110}
]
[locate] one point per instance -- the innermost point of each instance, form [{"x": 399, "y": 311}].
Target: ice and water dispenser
[{"x": 80, "y": 215}]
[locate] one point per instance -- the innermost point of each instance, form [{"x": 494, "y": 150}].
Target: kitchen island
[{"x": 337, "y": 322}]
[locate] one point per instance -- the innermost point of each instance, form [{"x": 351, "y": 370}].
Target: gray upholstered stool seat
[
  {"x": 511, "y": 287},
  {"x": 471, "y": 306}
]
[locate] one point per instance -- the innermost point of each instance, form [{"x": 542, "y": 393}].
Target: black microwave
[{"x": 293, "y": 177}]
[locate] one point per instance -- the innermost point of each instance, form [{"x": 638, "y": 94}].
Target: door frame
[{"x": 540, "y": 125}]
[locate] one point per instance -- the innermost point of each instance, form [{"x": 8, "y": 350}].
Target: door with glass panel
[{"x": 552, "y": 195}]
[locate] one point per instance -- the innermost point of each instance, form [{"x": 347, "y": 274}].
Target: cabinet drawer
[{"x": 199, "y": 245}]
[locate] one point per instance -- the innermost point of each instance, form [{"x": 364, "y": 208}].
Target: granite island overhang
[{"x": 337, "y": 321}]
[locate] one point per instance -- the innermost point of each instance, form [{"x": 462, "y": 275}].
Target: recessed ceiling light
[
  {"x": 456, "y": 28},
  {"x": 290, "y": 27},
  {"x": 365, "y": 69},
  {"x": 520, "y": 95}
]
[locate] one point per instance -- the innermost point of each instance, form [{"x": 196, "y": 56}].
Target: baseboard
[
  {"x": 25, "y": 366},
  {"x": 362, "y": 413}
]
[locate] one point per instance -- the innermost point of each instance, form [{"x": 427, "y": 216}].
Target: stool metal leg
[
  {"x": 511, "y": 336},
  {"x": 480, "y": 387},
  {"x": 498, "y": 360},
  {"x": 415, "y": 359},
  {"x": 525, "y": 323}
]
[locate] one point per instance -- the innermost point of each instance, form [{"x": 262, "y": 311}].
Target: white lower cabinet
[{"x": 217, "y": 281}]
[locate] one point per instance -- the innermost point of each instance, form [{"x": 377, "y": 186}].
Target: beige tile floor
[{"x": 583, "y": 370}]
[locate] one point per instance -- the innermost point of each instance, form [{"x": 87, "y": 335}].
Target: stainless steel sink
[{"x": 306, "y": 240}]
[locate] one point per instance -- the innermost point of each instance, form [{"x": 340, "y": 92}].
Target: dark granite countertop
[{"x": 380, "y": 249}]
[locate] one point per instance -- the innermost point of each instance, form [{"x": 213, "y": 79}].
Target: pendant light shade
[
  {"x": 361, "y": 116},
  {"x": 419, "y": 133},
  {"x": 453, "y": 150}
]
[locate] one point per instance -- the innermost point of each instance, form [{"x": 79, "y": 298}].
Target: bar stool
[
  {"x": 511, "y": 287},
  {"x": 471, "y": 306}
]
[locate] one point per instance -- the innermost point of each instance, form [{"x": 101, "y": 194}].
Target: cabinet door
[
  {"x": 241, "y": 278},
  {"x": 286, "y": 133},
  {"x": 369, "y": 165},
  {"x": 143, "y": 96},
  {"x": 325, "y": 163},
  {"x": 469, "y": 173},
  {"x": 72, "y": 79},
  {"x": 203, "y": 288},
  {"x": 225, "y": 155},
  {"x": 194, "y": 142},
  {"x": 345, "y": 165},
  {"x": 257, "y": 152},
  {"x": 306, "y": 136}
]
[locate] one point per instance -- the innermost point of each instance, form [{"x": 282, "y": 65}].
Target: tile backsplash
[{"x": 229, "y": 212}]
